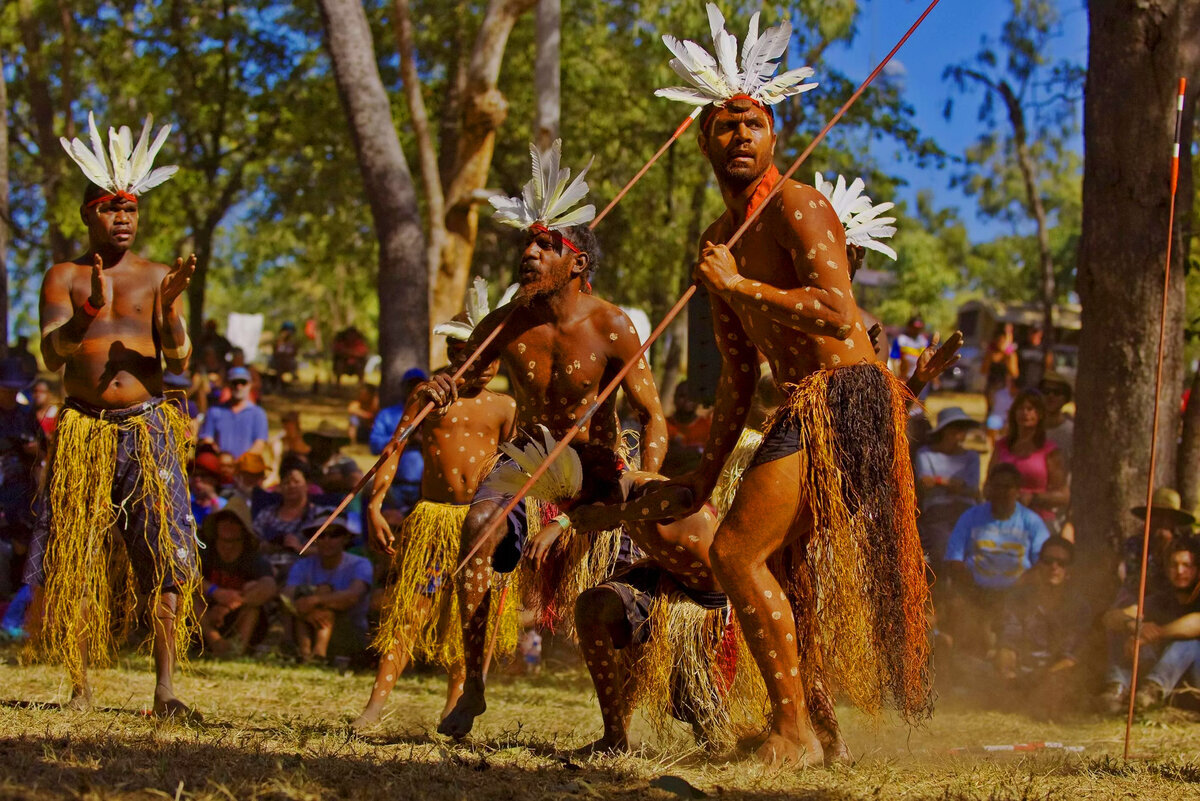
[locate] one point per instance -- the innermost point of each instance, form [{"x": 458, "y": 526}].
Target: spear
[
  {"x": 401, "y": 435},
  {"x": 582, "y": 425},
  {"x": 1162, "y": 335}
]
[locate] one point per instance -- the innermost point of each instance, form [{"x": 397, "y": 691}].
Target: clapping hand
[{"x": 177, "y": 280}]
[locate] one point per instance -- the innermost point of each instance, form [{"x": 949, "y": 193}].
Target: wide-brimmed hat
[
  {"x": 252, "y": 463},
  {"x": 953, "y": 415},
  {"x": 327, "y": 430},
  {"x": 1058, "y": 379},
  {"x": 1167, "y": 506},
  {"x": 13, "y": 375},
  {"x": 239, "y": 510}
]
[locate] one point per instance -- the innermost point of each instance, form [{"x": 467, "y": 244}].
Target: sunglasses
[
  {"x": 240, "y": 382},
  {"x": 1055, "y": 561}
]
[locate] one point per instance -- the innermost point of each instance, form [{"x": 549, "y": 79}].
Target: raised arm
[
  {"x": 808, "y": 229},
  {"x": 172, "y": 328},
  {"x": 640, "y": 391},
  {"x": 64, "y": 325}
]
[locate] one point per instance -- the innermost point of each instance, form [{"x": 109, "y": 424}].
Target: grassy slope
[{"x": 278, "y": 732}]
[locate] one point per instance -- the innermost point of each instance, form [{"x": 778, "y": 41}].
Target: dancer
[
  {"x": 560, "y": 344},
  {"x": 826, "y": 510},
  {"x": 111, "y": 318},
  {"x": 420, "y": 613}
]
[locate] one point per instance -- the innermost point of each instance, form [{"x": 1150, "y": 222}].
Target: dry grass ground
[{"x": 279, "y": 732}]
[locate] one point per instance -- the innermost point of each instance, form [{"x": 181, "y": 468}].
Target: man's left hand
[{"x": 177, "y": 280}]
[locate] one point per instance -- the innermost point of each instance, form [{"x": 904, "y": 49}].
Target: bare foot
[
  {"x": 368, "y": 720},
  {"x": 602, "y": 746},
  {"x": 461, "y": 719},
  {"x": 81, "y": 699},
  {"x": 836, "y": 753},
  {"x": 801, "y": 752},
  {"x": 166, "y": 705}
]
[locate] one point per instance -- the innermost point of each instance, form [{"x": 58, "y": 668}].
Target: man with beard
[
  {"x": 826, "y": 508},
  {"x": 111, "y": 318},
  {"x": 560, "y": 345}
]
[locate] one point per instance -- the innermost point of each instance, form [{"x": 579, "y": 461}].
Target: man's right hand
[
  {"x": 441, "y": 389},
  {"x": 100, "y": 283},
  {"x": 382, "y": 538}
]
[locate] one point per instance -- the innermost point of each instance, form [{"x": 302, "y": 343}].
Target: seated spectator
[
  {"x": 237, "y": 582},
  {"x": 228, "y": 469},
  {"x": 20, "y": 437},
  {"x": 250, "y": 471},
  {"x": 991, "y": 547},
  {"x": 1169, "y": 618},
  {"x": 325, "y": 454},
  {"x": 1169, "y": 525},
  {"x": 280, "y": 521},
  {"x": 687, "y": 432},
  {"x": 205, "y": 481},
  {"x": 1043, "y": 474},
  {"x": 45, "y": 406},
  {"x": 1043, "y": 627},
  {"x": 326, "y": 595},
  {"x": 1060, "y": 426},
  {"x": 362, "y": 412},
  {"x": 239, "y": 425},
  {"x": 947, "y": 477}
]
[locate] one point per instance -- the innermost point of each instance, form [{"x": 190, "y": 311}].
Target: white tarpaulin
[{"x": 245, "y": 331}]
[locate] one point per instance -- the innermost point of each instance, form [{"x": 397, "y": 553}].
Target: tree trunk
[
  {"x": 1189, "y": 450},
  {"x": 202, "y": 246},
  {"x": 403, "y": 280},
  {"x": 546, "y": 73},
  {"x": 1136, "y": 52},
  {"x": 3, "y": 213},
  {"x": 483, "y": 109}
]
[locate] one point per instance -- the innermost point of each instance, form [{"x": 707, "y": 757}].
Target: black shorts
[{"x": 783, "y": 439}]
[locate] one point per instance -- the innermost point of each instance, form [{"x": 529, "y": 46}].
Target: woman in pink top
[{"x": 1044, "y": 485}]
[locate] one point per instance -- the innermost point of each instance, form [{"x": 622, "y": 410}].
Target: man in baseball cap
[{"x": 239, "y": 425}]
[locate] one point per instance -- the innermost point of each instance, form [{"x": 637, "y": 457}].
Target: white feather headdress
[
  {"x": 560, "y": 483},
  {"x": 125, "y": 170},
  {"x": 476, "y": 309},
  {"x": 548, "y": 198},
  {"x": 861, "y": 219},
  {"x": 715, "y": 80}
]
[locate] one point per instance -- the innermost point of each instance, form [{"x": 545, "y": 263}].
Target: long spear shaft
[
  {"x": 1162, "y": 336},
  {"x": 401, "y": 435},
  {"x": 582, "y": 425}
]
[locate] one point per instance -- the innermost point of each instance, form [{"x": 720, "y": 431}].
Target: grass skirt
[
  {"x": 90, "y": 590},
  {"x": 858, "y": 585},
  {"x": 427, "y": 550}
]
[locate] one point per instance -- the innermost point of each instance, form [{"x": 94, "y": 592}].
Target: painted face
[
  {"x": 739, "y": 142},
  {"x": 230, "y": 538},
  {"x": 546, "y": 264},
  {"x": 1181, "y": 570},
  {"x": 112, "y": 224}
]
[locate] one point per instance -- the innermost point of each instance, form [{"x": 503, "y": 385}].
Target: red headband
[
  {"x": 105, "y": 198},
  {"x": 567, "y": 242}
]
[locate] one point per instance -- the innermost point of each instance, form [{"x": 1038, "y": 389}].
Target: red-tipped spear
[
  {"x": 1162, "y": 335},
  {"x": 401, "y": 435},
  {"x": 565, "y": 442}
]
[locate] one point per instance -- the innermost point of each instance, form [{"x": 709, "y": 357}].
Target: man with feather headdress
[
  {"x": 420, "y": 612},
  {"x": 111, "y": 318},
  {"x": 825, "y": 514},
  {"x": 561, "y": 345}
]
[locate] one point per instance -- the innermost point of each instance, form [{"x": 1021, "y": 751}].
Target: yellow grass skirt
[
  {"x": 90, "y": 591},
  {"x": 427, "y": 552},
  {"x": 858, "y": 585}
]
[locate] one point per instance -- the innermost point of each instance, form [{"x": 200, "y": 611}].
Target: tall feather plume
[
  {"x": 125, "y": 168},
  {"x": 549, "y": 196},
  {"x": 715, "y": 80},
  {"x": 476, "y": 309},
  {"x": 864, "y": 226},
  {"x": 561, "y": 482}
]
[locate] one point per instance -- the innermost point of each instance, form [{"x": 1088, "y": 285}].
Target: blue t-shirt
[
  {"x": 235, "y": 432},
  {"x": 384, "y": 426},
  {"x": 352, "y": 568},
  {"x": 997, "y": 552}
]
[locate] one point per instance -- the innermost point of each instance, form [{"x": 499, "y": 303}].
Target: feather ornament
[
  {"x": 716, "y": 79},
  {"x": 862, "y": 220},
  {"x": 476, "y": 309},
  {"x": 122, "y": 167},
  {"x": 550, "y": 195},
  {"x": 561, "y": 482}
]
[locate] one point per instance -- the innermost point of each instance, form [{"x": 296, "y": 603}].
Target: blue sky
[{"x": 952, "y": 33}]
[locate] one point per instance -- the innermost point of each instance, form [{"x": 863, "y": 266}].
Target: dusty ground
[{"x": 279, "y": 732}]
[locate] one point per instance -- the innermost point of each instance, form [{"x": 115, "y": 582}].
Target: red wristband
[{"x": 89, "y": 309}]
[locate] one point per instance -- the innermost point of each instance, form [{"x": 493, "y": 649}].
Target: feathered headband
[
  {"x": 126, "y": 171},
  {"x": 561, "y": 483},
  {"x": 476, "y": 309},
  {"x": 716, "y": 80},
  {"x": 862, "y": 220},
  {"x": 545, "y": 202}
]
